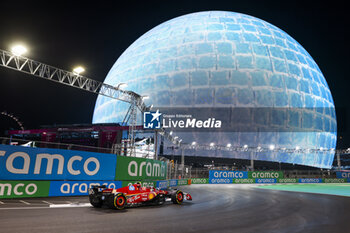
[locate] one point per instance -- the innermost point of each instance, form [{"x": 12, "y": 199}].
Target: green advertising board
[
  {"x": 131, "y": 168},
  {"x": 143, "y": 183},
  {"x": 243, "y": 181},
  {"x": 200, "y": 181},
  {"x": 287, "y": 180},
  {"x": 182, "y": 182},
  {"x": 20, "y": 189},
  {"x": 326, "y": 180},
  {"x": 265, "y": 174}
]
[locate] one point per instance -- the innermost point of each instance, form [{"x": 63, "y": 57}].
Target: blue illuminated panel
[{"x": 198, "y": 59}]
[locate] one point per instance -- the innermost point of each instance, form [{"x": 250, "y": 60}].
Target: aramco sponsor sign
[
  {"x": 225, "y": 177},
  {"x": 19, "y": 189},
  {"x": 200, "y": 181},
  {"x": 25, "y": 163},
  {"x": 131, "y": 168},
  {"x": 265, "y": 174},
  {"x": 77, "y": 188},
  {"x": 228, "y": 177},
  {"x": 343, "y": 174}
]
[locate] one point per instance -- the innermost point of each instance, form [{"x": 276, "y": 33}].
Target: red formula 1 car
[{"x": 134, "y": 195}]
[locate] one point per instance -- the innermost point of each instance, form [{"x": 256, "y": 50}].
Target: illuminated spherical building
[{"x": 226, "y": 59}]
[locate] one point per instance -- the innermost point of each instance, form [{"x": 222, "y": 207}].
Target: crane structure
[{"x": 41, "y": 70}]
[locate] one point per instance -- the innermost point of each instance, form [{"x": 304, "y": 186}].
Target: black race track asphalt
[{"x": 215, "y": 208}]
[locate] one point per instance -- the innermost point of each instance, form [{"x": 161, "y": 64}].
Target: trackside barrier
[
  {"x": 328, "y": 180},
  {"x": 143, "y": 183},
  {"x": 265, "y": 181},
  {"x": 26, "y": 163},
  {"x": 265, "y": 174},
  {"x": 182, "y": 182},
  {"x": 200, "y": 181},
  {"x": 287, "y": 180},
  {"x": 78, "y": 188},
  {"x": 310, "y": 180},
  {"x": 43, "y": 172},
  {"x": 24, "y": 188},
  {"x": 163, "y": 184},
  {"x": 20, "y": 189},
  {"x": 243, "y": 181},
  {"x": 173, "y": 183},
  {"x": 226, "y": 177},
  {"x": 229, "y": 177},
  {"x": 342, "y": 175},
  {"x": 131, "y": 168},
  {"x": 159, "y": 183}
]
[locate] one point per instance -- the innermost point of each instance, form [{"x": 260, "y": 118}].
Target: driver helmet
[{"x": 138, "y": 185}]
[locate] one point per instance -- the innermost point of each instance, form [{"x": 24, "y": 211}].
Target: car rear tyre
[
  {"x": 119, "y": 201},
  {"x": 178, "y": 197}
]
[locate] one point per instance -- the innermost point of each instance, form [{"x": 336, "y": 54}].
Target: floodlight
[
  {"x": 78, "y": 70},
  {"x": 19, "y": 50}
]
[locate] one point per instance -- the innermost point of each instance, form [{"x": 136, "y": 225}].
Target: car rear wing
[
  {"x": 95, "y": 189},
  {"x": 99, "y": 186}
]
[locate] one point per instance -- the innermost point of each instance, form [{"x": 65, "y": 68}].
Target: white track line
[
  {"x": 49, "y": 207},
  {"x": 70, "y": 205},
  {"x": 1, "y": 203},
  {"x": 27, "y": 203},
  {"x": 46, "y": 202},
  {"x": 24, "y": 208}
]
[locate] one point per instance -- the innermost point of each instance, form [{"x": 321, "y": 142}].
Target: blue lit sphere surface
[{"x": 226, "y": 59}]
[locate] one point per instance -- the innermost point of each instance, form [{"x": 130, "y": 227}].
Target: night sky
[{"x": 95, "y": 35}]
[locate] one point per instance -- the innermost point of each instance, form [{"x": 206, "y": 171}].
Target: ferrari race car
[{"x": 134, "y": 195}]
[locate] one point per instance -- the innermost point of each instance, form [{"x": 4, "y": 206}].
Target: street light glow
[
  {"x": 272, "y": 147},
  {"x": 19, "y": 50},
  {"x": 78, "y": 69}
]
